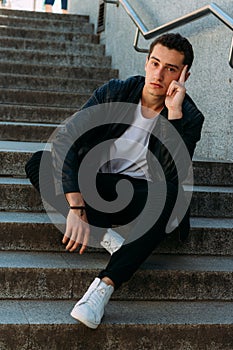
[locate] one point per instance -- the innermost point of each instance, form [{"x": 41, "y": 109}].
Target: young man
[{"x": 144, "y": 125}]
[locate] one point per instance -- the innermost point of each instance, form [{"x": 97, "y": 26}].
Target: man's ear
[{"x": 147, "y": 59}]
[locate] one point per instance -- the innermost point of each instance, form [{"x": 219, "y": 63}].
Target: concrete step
[
  {"x": 212, "y": 201},
  {"x": 43, "y": 15},
  {"x": 35, "y": 232},
  {"x": 40, "y": 34},
  {"x": 42, "y": 98},
  {"x": 67, "y": 72},
  {"x": 51, "y": 46},
  {"x": 33, "y": 275},
  {"x": 28, "y": 197},
  {"x": 31, "y": 82},
  {"x": 15, "y": 155},
  {"x": 47, "y": 24},
  {"x": 26, "y": 131},
  {"x": 46, "y": 325},
  {"x": 35, "y": 114},
  {"x": 206, "y": 202},
  {"x": 216, "y": 173},
  {"x": 38, "y": 57},
  {"x": 208, "y": 236}
]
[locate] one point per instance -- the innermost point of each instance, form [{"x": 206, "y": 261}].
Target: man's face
[{"x": 162, "y": 67}]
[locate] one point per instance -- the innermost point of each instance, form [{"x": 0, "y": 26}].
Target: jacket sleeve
[
  {"x": 69, "y": 142},
  {"x": 178, "y": 139},
  {"x": 65, "y": 155},
  {"x": 190, "y": 126}
]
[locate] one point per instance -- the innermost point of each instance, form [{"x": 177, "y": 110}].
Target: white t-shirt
[{"x": 128, "y": 153}]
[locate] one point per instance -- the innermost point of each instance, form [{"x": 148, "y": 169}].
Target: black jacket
[{"x": 105, "y": 116}]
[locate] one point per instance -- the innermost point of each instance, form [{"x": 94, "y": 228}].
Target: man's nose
[{"x": 159, "y": 73}]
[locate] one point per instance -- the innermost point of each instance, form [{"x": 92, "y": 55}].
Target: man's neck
[{"x": 152, "y": 106}]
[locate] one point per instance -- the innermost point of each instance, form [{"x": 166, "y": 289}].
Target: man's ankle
[
  {"x": 48, "y": 8},
  {"x": 108, "y": 281}
]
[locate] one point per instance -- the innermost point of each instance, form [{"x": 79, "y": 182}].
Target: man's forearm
[{"x": 75, "y": 199}]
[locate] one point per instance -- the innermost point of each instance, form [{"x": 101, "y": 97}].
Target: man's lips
[{"x": 156, "y": 85}]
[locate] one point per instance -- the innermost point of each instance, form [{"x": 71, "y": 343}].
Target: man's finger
[
  {"x": 65, "y": 239},
  {"x": 85, "y": 241},
  {"x": 74, "y": 247},
  {"x": 82, "y": 249},
  {"x": 70, "y": 244},
  {"x": 172, "y": 88},
  {"x": 183, "y": 74}
]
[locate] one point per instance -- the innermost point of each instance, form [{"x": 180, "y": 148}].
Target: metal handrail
[{"x": 212, "y": 8}]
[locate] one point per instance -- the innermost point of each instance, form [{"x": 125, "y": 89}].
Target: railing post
[
  {"x": 231, "y": 55},
  {"x": 34, "y": 5}
]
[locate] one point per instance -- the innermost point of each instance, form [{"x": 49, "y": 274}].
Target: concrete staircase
[{"x": 181, "y": 298}]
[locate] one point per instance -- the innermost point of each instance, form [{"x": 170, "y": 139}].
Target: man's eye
[{"x": 170, "y": 69}]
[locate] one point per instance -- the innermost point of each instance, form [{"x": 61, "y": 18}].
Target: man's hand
[
  {"x": 175, "y": 96},
  {"x": 77, "y": 231}
]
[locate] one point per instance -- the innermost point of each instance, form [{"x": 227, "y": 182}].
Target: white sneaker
[
  {"x": 112, "y": 241},
  {"x": 90, "y": 309}
]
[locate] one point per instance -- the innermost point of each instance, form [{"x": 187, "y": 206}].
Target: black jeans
[{"x": 147, "y": 215}]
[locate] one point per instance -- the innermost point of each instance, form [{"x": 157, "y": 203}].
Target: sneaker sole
[{"x": 80, "y": 318}]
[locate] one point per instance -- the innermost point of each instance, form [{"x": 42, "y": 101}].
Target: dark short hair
[{"x": 176, "y": 42}]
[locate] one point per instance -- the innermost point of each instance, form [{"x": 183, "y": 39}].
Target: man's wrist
[
  {"x": 75, "y": 199},
  {"x": 82, "y": 208},
  {"x": 175, "y": 114}
]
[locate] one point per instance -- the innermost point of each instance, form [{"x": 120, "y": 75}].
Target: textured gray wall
[{"x": 211, "y": 80}]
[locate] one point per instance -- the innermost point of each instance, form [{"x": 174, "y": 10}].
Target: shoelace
[{"x": 96, "y": 297}]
